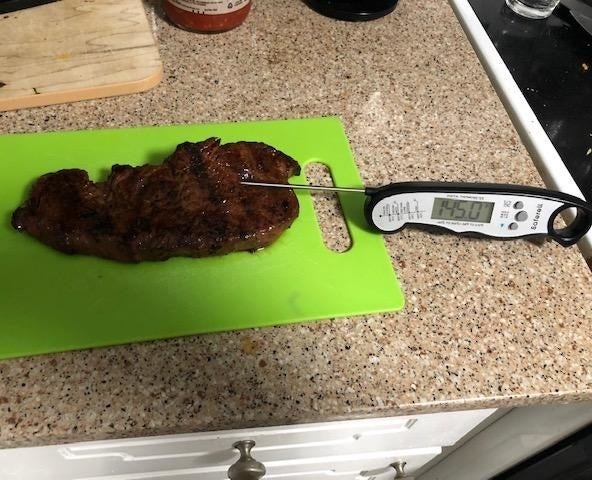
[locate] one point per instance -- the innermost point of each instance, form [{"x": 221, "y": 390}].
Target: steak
[{"x": 193, "y": 205}]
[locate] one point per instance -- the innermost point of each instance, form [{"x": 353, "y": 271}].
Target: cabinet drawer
[
  {"x": 344, "y": 467},
  {"x": 212, "y": 452},
  {"x": 301, "y": 441}
]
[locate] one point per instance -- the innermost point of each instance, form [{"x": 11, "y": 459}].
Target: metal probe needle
[{"x": 306, "y": 187}]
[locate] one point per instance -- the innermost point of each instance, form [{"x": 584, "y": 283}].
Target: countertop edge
[{"x": 506, "y": 402}]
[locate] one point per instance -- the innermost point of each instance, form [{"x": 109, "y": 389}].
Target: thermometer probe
[{"x": 493, "y": 210}]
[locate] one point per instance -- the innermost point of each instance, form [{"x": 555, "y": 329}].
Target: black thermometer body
[{"x": 486, "y": 209}]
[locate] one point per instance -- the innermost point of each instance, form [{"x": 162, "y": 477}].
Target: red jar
[{"x": 207, "y": 16}]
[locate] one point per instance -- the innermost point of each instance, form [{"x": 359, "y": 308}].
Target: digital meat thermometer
[{"x": 487, "y": 209}]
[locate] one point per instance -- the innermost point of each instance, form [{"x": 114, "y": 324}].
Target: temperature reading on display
[{"x": 462, "y": 210}]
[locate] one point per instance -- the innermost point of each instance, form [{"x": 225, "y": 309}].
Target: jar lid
[{"x": 352, "y": 10}]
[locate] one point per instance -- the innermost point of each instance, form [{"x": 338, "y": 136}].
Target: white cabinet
[
  {"x": 332, "y": 450},
  {"x": 517, "y": 435}
]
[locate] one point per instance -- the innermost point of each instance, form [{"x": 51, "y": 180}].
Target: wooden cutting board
[{"x": 74, "y": 50}]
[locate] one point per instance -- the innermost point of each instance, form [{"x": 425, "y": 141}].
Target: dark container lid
[{"x": 351, "y": 10}]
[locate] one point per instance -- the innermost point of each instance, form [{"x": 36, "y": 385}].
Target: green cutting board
[{"x": 52, "y": 302}]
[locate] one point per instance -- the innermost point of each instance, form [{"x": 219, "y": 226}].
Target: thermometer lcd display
[{"x": 462, "y": 210}]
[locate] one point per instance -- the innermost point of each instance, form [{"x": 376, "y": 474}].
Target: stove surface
[{"x": 551, "y": 62}]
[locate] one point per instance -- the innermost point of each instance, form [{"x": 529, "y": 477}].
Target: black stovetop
[{"x": 551, "y": 61}]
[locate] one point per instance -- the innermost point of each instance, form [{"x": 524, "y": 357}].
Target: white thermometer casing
[{"x": 490, "y": 210}]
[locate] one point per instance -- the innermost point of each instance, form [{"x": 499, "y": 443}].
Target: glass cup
[{"x": 533, "y": 8}]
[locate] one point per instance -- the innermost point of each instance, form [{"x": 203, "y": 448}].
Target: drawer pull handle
[
  {"x": 246, "y": 467},
  {"x": 387, "y": 472},
  {"x": 399, "y": 467}
]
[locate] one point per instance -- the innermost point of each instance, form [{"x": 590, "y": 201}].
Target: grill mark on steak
[{"x": 193, "y": 204}]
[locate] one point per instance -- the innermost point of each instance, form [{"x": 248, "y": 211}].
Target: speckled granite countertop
[{"x": 486, "y": 323}]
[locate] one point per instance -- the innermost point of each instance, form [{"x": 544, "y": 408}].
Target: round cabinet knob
[{"x": 246, "y": 467}]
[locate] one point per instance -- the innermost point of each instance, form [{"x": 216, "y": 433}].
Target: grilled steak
[{"x": 191, "y": 205}]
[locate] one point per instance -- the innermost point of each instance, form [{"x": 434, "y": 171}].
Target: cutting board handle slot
[{"x": 328, "y": 209}]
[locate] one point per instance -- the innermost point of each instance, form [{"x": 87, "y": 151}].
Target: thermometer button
[
  {"x": 521, "y": 216},
  {"x": 513, "y": 226},
  {"x": 519, "y": 205}
]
